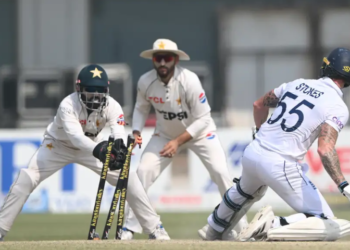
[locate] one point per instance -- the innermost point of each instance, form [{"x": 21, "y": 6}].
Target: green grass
[{"x": 41, "y": 227}]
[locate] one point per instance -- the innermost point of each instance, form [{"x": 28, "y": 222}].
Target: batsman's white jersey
[
  {"x": 71, "y": 138},
  {"x": 180, "y": 105},
  {"x": 272, "y": 159},
  {"x": 304, "y": 106}
]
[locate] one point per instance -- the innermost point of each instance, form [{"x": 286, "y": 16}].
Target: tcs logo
[
  {"x": 170, "y": 115},
  {"x": 156, "y": 99}
]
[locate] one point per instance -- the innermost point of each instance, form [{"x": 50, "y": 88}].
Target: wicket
[{"x": 119, "y": 194}]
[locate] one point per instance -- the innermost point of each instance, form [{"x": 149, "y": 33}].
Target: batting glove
[{"x": 344, "y": 188}]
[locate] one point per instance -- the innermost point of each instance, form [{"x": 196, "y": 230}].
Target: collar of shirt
[
  {"x": 170, "y": 83},
  {"x": 332, "y": 84}
]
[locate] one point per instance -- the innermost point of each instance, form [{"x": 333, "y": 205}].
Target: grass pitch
[
  {"x": 169, "y": 245},
  {"x": 69, "y": 231}
]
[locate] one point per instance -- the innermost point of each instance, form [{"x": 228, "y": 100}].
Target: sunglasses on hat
[{"x": 166, "y": 58}]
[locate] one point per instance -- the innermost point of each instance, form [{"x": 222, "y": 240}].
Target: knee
[
  {"x": 26, "y": 182},
  {"x": 144, "y": 171},
  {"x": 146, "y": 175}
]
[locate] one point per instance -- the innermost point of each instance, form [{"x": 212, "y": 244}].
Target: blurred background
[{"x": 239, "y": 49}]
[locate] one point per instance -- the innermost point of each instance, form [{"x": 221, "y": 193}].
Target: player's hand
[
  {"x": 169, "y": 149},
  {"x": 138, "y": 139},
  {"x": 254, "y": 131},
  {"x": 344, "y": 188}
]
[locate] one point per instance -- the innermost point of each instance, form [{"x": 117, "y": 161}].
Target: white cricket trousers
[
  {"x": 152, "y": 165},
  {"x": 47, "y": 160},
  {"x": 284, "y": 175}
]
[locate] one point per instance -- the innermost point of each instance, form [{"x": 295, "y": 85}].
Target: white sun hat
[{"x": 164, "y": 45}]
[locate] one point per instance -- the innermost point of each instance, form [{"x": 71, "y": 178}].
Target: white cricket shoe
[
  {"x": 208, "y": 233},
  {"x": 258, "y": 227},
  {"x": 127, "y": 234},
  {"x": 159, "y": 234}
]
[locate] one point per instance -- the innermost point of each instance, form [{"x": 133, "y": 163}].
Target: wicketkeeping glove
[
  {"x": 118, "y": 153},
  {"x": 344, "y": 188}
]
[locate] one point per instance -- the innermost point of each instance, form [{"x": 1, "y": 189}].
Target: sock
[{"x": 282, "y": 221}]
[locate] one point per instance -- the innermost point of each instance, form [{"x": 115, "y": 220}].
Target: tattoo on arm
[
  {"x": 328, "y": 137},
  {"x": 270, "y": 100},
  {"x": 330, "y": 162}
]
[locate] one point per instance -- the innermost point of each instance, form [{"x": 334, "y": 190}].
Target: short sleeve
[
  {"x": 280, "y": 90},
  {"x": 337, "y": 117}
]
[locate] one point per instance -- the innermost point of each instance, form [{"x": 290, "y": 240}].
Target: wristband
[{"x": 342, "y": 185}]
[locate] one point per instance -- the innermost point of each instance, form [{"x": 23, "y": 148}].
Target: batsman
[{"x": 74, "y": 137}]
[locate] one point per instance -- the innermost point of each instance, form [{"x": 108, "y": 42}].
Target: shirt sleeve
[
  {"x": 337, "y": 117},
  {"x": 199, "y": 106},
  {"x": 116, "y": 120},
  {"x": 73, "y": 129},
  {"x": 141, "y": 110},
  {"x": 280, "y": 90}
]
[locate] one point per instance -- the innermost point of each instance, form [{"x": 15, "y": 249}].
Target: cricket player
[
  {"x": 306, "y": 110},
  {"x": 183, "y": 121},
  {"x": 74, "y": 137}
]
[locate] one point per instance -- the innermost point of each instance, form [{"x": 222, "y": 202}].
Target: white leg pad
[
  {"x": 311, "y": 229},
  {"x": 245, "y": 208}
]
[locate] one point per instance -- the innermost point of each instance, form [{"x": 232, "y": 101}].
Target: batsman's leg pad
[
  {"x": 245, "y": 206},
  {"x": 311, "y": 229}
]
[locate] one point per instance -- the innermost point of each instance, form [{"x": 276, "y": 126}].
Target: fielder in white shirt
[
  {"x": 306, "y": 110},
  {"x": 74, "y": 137},
  {"x": 183, "y": 121}
]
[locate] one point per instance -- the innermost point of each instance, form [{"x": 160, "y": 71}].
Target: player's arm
[
  {"x": 73, "y": 129},
  {"x": 116, "y": 119},
  {"x": 326, "y": 149},
  {"x": 141, "y": 110},
  {"x": 336, "y": 117},
  {"x": 261, "y": 107},
  {"x": 200, "y": 110}
]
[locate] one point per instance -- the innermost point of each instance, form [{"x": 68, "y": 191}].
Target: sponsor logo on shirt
[
  {"x": 338, "y": 122},
  {"x": 210, "y": 136},
  {"x": 170, "y": 115},
  {"x": 82, "y": 122},
  {"x": 202, "y": 98},
  {"x": 156, "y": 99},
  {"x": 121, "y": 120}
]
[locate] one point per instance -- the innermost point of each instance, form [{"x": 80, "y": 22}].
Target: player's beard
[
  {"x": 92, "y": 103},
  {"x": 164, "y": 72}
]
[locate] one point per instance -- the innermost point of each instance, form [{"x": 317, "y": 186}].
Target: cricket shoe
[
  {"x": 258, "y": 227},
  {"x": 127, "y": 234},
  {"x": 159, "y": 234},
  {"x": 208, "y": 233}
]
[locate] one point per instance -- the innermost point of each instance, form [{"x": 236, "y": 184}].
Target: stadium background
[{"x": 239, "y": 49}]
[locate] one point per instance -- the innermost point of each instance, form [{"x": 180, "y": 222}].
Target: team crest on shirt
[
  {"x": 97, "y": 123},
  {"x": 121, "y": 120},
  {"x": 202, "y": 98},
  {"x": 210, "y": 136}
]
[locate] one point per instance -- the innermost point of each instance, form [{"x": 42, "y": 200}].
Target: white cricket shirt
[
  {"x": 304, "y": 106},
  {"x": 180, "y": 105},
  {"x": 74, "y": 127}
]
